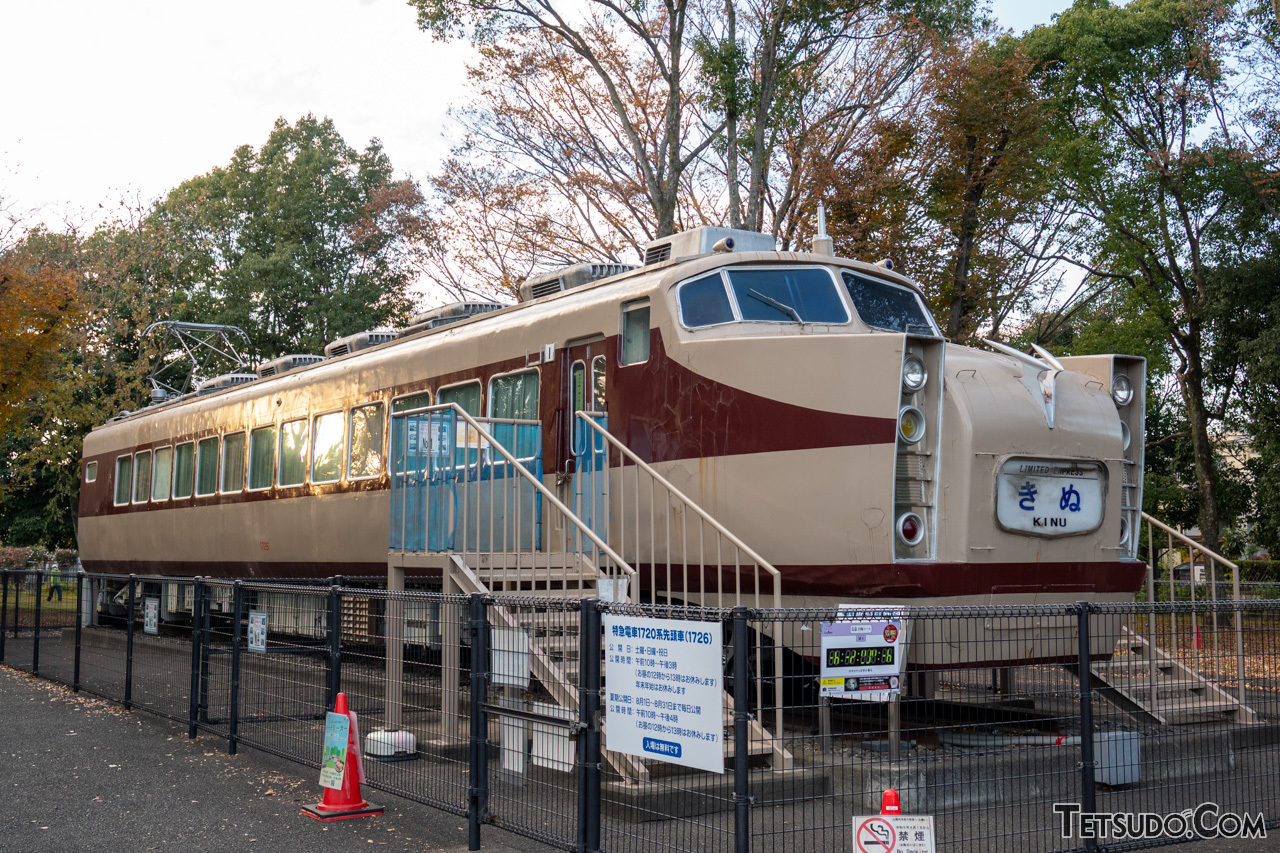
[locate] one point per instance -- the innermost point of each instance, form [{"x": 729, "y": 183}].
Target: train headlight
[
  {"x": 914, "y": 374},
  {"x": 910, "y": 424},
  {"x": 910, "y": 528},
  {"x": 1126, "y": 435},
  {"x": 1121, "y": 389}
]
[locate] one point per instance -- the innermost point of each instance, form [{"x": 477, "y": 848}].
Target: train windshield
[
  {"x": 775, "y": 295},
  {"x": 888, "y": 306}
]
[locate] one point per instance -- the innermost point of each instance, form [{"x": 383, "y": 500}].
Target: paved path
[{"x": 80, "y": 773}]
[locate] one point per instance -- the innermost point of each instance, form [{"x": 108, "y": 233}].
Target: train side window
[
  {"x": 233, "y": 462},
  {"x": 293, "y": 453},
  {"x": 466, "y": 395},
  {"x": 91, "y": 472},
  {"x": 411, "y": 401},
  {"x": 124, "y": 479},
  {"x": 578, "y": 382},
  {"x": 514, "y": 395},
  {"x": 184, "y": 469},
  {"x": 366, "y": 442},
  {"x": 141, "y": 476},
  {"x": 326, "y": 448},
  {"x": 635, "y": 332},
  {"x": 262, "y": 457},
  {"x": 704, "y": 302},
  {"x": 162, "y": 478},
  {"x": 597, "y": 384},
  {"x": 207, "y": 466}
]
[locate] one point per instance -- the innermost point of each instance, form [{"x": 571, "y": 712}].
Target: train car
[{"x": 809, "y": 401}]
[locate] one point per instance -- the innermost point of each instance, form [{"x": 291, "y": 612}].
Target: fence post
[
  {"x": 17, "y": 599},
  {"x": 206, "y": 630},
  {"x": 128, "y": 659},
  {"x": 335, "y": 642},
  {"x": 741, "y": 735},
  {"x": 4, "y": 609},
  {"x": 197, "y": 614},
  {"x": 589, "y": 718},
  {"x": 1088, "y": 801},
  {"x": 478, "y": 800},
  {"x": 233, "y": 729},
  {"x": 75, "y": 673},
  {"x": 35, "y": 636}
]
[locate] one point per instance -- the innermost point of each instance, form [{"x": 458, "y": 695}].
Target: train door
[{"x": 585, "y": 392}]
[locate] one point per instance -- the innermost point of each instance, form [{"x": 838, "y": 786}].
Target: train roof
[{"x": 657, "y": 275}]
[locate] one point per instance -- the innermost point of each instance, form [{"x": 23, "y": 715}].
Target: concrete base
[{"x": 707, "y": 793}]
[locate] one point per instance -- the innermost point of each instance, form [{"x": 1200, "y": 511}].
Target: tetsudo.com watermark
[{"x": 1206, "y": 820}]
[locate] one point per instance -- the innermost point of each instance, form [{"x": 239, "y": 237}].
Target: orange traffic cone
[
  {"x": 889, "y": 803},
  {"x": 346, "y": 802}
]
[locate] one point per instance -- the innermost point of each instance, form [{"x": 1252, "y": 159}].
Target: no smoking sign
[{"x": 893, "y": 834}]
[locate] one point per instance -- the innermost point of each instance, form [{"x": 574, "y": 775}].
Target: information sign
[
  {"x": 151, "y": 615},
  {"x": 894, "y": 833},
  {"x": 257, "y": 630},
  {"x": 664, "y": 690},
  {"x": 337, "y": 729},
  {"x": 863, "y": 654}
]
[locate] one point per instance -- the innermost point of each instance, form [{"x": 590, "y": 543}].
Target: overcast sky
[{"x": 131, "y": 97}]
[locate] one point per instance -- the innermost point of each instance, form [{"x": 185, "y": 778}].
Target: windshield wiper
[{"x": 781, "y": 306}]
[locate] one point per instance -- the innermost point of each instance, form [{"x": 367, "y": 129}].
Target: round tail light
[
  {"x": 910, "y": 528},
  {"x": 910, "y": 424}
]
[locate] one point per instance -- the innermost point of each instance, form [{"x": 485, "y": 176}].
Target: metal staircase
[
  {"x": 468, "y": 499},
  {"x": 1157, "y": 686}
]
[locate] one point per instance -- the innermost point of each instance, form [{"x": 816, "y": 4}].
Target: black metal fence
[{"x": 1013, "y": 725}]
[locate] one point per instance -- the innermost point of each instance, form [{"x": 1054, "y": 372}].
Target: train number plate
[{"x": 1050, "y": 498}]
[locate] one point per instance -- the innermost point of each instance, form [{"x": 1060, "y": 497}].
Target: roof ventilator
[
  {"x": 286, "y": 363},
  {"x": 359, "y": 341},
  {"x": 567, "y": 278},
  {"x": 226, "y": 380},
  {"x": 703, "y": 241},
  {"x": 444, "y": 315}
]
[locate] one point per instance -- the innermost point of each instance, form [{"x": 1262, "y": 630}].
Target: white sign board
[
  {"x": 257, "y": 631},
  {"x": 509, "y": 657},
  {"x": 664, "y": 691},
  {"x": 1048, "y": 498},
  {"x": 863, "y": 654},
  {"x": 151, "y": 615},
  {"x": 894, "y": 833}
]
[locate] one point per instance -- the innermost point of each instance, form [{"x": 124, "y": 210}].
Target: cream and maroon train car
[{"x": 807, "y": 401}]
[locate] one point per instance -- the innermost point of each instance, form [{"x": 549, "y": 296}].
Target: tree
[
  {"x": 298, "y": 242},
  {"x": 1159, "y": 208}
]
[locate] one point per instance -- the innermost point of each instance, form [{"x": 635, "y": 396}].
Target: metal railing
[
  {"x": 1211, "y": 561},
  {"x": 459, "y": 489},
  {"x": 988, "y": 757}
]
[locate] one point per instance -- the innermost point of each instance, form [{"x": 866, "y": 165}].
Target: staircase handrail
[
  {"x": 528, "y": 475},
  {"x": 589, "y": 419},
  {"x": 1191, "y": 543}
]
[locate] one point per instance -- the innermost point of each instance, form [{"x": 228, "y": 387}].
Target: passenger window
[
  {"x": 597, "y": 384},
  {"x": 91, "y": 472},
  {"x": 805, "y": 295},
  {"x": 888, "y": 306},
  {"x": 467, "y": 396},
  {"x": 141, "y": 476},
  {"x": 704, "y": 302},
  {"x": 411, "y": 401},
  {"x": 293, "y": 453},
  {"x": 162, "y": 479},
  {"x": 366, "y": 442},
  {"x": 184, "y": 468},
  {"x": 124, "y": 479},
  {"x": 514, "y": 396},
  {"x": 207, "y": 466},
  {"x": 233, "y": 462},
  {"x": 635, "y": 332},
  {"x": 326, "y": 448}
]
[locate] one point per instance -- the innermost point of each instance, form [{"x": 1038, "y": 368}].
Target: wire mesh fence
[{"x": 1045, "y": 728}]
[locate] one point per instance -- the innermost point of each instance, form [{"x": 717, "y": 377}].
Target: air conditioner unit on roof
[
  {"x": 359, "y": 341},
  {"x": 446, "y": 314},
  {"x": 567, "y": 278},
  {"x": 226, "y": 380},
  {"x": 285, "y": 363},
  {"x": 701, "y": 241}
]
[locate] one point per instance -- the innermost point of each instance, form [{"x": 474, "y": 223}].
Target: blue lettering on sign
[
  {"x": 661, "y": 747},
  {"x": 1070, "y": 499},
  {"x": 1027, "y": 493}
]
